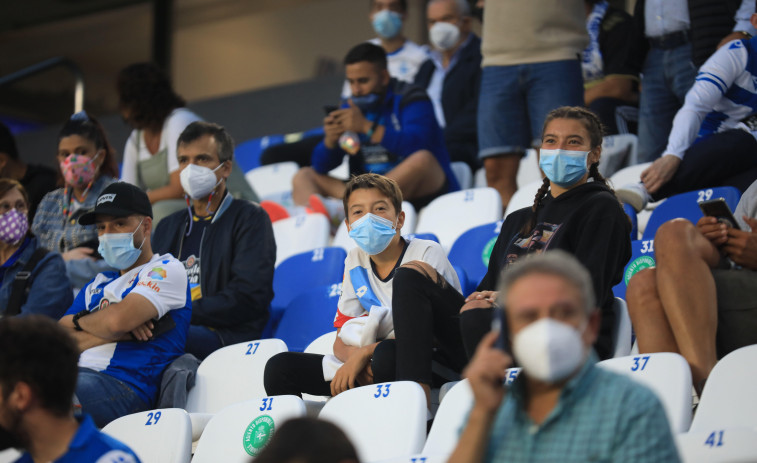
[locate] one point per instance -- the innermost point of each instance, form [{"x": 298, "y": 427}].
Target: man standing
[
  {"x": 37, "y": 380},
  {"x": 561, "y": 407},
  {"x": 388, "y": 127},
  {"x": 452, "y": 75},
  {"x": 226, "y": 244},
  {"x": 131, "y": 323}
]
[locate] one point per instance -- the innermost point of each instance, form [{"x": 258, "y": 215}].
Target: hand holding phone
[{"x": 719, "y": 209}]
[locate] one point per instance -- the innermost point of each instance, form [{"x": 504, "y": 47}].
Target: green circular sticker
[
  {"x": 638, "y": 264},
  {"x": 487, "y": 253},
  {"x": 257, "y": 435}
]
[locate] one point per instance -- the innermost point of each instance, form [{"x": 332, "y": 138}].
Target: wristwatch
[{"x": 76, "y": 318}]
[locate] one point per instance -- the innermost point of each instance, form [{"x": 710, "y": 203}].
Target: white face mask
[
  {"x": 444, "y": 35},
  {"x": 198, "y": 181},
  {"x": 549, "y": 350}
]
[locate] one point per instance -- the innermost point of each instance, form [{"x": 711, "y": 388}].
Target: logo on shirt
[
  {"x": 157, "y": 274},
  {"x": 106, "y": 198},
  {"x": 257, "y": 434},
  {"x": 150, "y": 284},
  {"x": 103, "y": 304}
]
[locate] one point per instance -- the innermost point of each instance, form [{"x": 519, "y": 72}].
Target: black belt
[{"x": 668, "y": 41}]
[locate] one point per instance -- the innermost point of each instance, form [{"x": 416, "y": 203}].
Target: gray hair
[
  {"x": 198, "y": 129},
  {"x": 558, "y": 263},
  {"x": 463, "y": 7}
]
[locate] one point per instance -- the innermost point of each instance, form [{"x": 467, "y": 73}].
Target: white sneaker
[{"x": 634, "y": 194}]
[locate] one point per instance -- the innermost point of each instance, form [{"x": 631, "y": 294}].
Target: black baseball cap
[{"x": 119, "y": 199}]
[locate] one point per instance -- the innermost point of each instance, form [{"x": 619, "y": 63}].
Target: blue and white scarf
[{"x": 591, "y": 64}]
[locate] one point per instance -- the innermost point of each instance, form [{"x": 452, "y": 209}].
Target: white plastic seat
[
  {"x": 523, "y": 197},
  {"x": 730, "y": 445},
  {"x": 239, "y": 432},
  {"x": 667, "y": 375},
  {"x": 449, "y": 420},
  {"x": 630, "y": 174},
  {"x": 323, "y": 345},
  {"x": 156, "y": 436},
  {"x": 528, "y": 170},
  {"x": 300, "y": 234},
  {"x": 463, "y": 174},
  {"x": 232, "y": 374},
  {"x": 479, "y": 178},
  {"x": 617, "y": 151},
  {"x": 729, "y": 399},
  {"x": 623, "y": 331},
  {"x": 342, "y": 238},
  {"x": 273, "y": 179},
  {"x": 395, "y": 413},
  {"x": 450, "y": 215},
  {"x": 9, "y": 455}
]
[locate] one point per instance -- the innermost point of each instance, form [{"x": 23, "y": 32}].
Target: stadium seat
[
  {"x": 247, "y": 154},
  {"x": 449, "y": 420},
  {"x": 642, "y": 256},
  {"x": 463, "y": 174},
  {"x": 622, "y": 333},
  {"x": 729, "y": 398},
  {"x": 308, "y": 316},
  {"x": 156, "y": 436},
  {"x": 667, "y": 375},
  {"x": 528, "y": 170},
  {"x": 524, "y": 197},
  {"x": 395, "y": 411},
  {"x": 472, "y": 249},
  {"x": 9, "y": 455},
  {"x": 479, "y": 178},
  {"x": 450, "y": 215},
  {"x": 626, "y": 175},
  {"x": 322, "y": 345},
  {"x": 633, "y": 217},
  {"x": 462, "y": 277},
  {"x": 686, "y": 205},
  {"x": 300, "y": 234},
  {"x": 239, "y": 432},
  {"x": 617, "y": 151},
  {"x": 730, "y": 445},
  {"x": 232, "y": 374},
  {"x": 272, "y": 180},
  {"x": 322, "y": 266},
  {"x": 422, "y": 236},
  {"x": 342, "y": 238}
]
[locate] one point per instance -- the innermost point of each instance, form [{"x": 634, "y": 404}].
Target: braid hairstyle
[{"x": 594, "y": 126}]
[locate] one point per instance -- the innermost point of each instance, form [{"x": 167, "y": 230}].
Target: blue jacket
[
  {"x": 237, "y": 255},
  {"x": 50, "y": 291},
  {"x": 410, "y": 125}
]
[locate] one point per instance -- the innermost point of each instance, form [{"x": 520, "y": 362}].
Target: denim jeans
[
  {"x": 666, "y": 77},
  {"x": 106, "y": 398},
  {"x": 514, "y": 100},
  {"x": 202, "y": 341}
]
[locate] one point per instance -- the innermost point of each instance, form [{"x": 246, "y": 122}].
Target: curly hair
[{"x": 145, "y": 91}]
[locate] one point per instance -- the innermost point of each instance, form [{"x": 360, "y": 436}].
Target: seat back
[
  {"x": 622, "y": 332},
  {"x": 305, "y": 271},
  {"x": 472, "y": 249},
  {"x": 729, "y": 399},
  {"x": 396, "y": 413},
  {"x": 308, "y": 316},
  {"x": 523, "y": 197},
  {"x": 450, "y": 215},
  {"x": 617, "y": 151},
  {"x": 9, "y": 455},
  {"x": 322, "y": 345},
  {"x": 730, "y": 445},
  {"x": 156, "y": 436},
  {"x": 630, "y": 174},
  {"x": 449, "y": 420},
  {"x": 273, "y": 179},
  {"x": 667, "y": 375},
  {"x": 528, "y": 169},
  {"x": 463, "y": 174},
  {"x": 642, "y": 256},
  {"x": 686, "y": 205},
  {"x": 634, "y": 218},
  {"x": 239, "y": 432},
  {"x": 232, "y": 374},
  {"x": 300, "y": 234},
  {"x": 247, "y": 153}
]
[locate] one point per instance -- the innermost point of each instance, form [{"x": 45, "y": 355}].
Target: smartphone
[
  {"x": 499, "y": 324},
  {"x": 719, "y": 209},
  {"x": 329, "y": 108}
]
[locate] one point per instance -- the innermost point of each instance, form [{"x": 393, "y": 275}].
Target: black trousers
[{"x": 298, "y": 151}]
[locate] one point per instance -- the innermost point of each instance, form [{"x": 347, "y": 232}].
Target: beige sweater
[{"x": 533, "y": 31}]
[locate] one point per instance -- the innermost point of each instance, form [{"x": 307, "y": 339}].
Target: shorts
[
  {"x": 737, "y": 309},
  {"x": 514, "y": 100}
]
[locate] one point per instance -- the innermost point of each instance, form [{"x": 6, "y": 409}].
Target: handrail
[{"x": 49, "y": 64}]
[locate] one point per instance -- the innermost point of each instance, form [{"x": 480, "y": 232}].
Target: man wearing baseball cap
[{"x": 131, "y": 323}]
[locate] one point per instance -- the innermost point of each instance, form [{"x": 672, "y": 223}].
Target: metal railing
[{"x": 43, "y": 66}]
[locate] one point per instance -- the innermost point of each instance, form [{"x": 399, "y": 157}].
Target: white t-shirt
[
  {"x": 136, "y": 149},
  {"x": 403, "y": 63}
]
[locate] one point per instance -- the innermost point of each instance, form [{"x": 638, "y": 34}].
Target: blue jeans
[
  {"x": 666, "y": 77},
  {"x": 106, "y": 398},
  {"x": 514, "y": 100},
  {"x": 202, "y": 341}
]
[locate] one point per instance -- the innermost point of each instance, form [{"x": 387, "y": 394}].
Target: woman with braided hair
[{"x": 575, "y": 210}]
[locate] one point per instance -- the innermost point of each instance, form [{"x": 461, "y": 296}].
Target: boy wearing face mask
[
  {"x": 130, "y": 323},
  {"x": 226, "y": 245},
  {"x": 379, "y": 294},
  {"x": 561, "y": 407},
  {"x": 451, "y": 77}
]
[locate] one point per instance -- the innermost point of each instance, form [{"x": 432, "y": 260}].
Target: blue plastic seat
[
  {"x": 686, "y": 205},
  {"x": 642, "y": 256},
  {"x": 308, "y": 316},
  {"x": 301, "y": 272},
  {"x": 471, "y": 252},
  {"x": 631, "y": 213},
  {"x": 247, "y": 154},
  {"x": 423, "y": 236}
]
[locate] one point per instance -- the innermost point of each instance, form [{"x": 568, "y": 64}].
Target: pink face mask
[
  {"x": 78, "y": 169},
  {"x": 13, "y": 226}
]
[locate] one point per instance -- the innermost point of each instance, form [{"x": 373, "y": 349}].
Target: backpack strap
[{"x": 21, "y": 283}]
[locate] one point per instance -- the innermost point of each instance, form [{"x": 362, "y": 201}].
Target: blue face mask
[
  {"x": 367, "y": 102},
  {"x": 118, "y": 249},
  {"x": 372, "y": 233},
  {"x": 387, "y": 24},
  {"x": 562, "y": 167}
]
